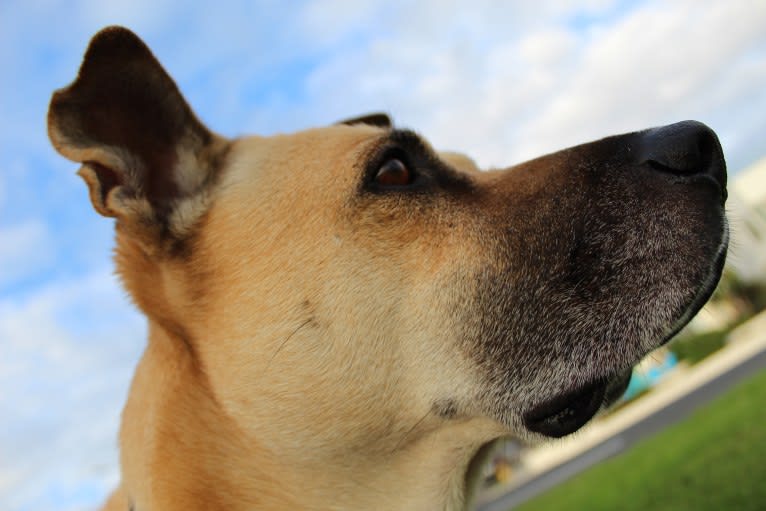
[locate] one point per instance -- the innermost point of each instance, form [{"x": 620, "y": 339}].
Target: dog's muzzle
[{"x": 690, "y": 152}]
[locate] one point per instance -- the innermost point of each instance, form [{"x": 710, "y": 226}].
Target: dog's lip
[
  {"x": 567, "y": 412},
  {"x": 705, "y": 291},
  {"x": 617, "y": 386}
]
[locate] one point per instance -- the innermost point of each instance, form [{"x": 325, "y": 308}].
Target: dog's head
[{"x": 380, "y": 291}]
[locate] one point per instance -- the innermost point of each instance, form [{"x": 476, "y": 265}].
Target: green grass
[
  {"x": 715, "y": 460},
  {"x": 696, "y": 347}
]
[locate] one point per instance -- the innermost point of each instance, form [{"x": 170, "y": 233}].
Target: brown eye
[{"x": 393, "y": 173}]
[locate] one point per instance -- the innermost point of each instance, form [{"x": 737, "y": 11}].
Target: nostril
[
  {"x": 679, "y": 148},
  {"x": 684, "y": 149},
  {"x": 690, "y": 155}
]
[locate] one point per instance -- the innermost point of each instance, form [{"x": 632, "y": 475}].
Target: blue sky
[{"x": 501, "y": 81}]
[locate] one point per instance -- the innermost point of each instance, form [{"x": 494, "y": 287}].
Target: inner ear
[
  {"x": 379, "y": 119},
  {"x": 101, "y": 181}
]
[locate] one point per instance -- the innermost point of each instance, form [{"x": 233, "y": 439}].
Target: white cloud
[
  {"x": 508, "y": 84},
  {"x": 632, "y": 77},
  {"x": 326, "y": 22},
  {"x": 24, "y": 247},
  {"x": 67, "y": 353}
]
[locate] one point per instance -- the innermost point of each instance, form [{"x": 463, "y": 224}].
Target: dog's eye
[{"x": 393, "y": 172}]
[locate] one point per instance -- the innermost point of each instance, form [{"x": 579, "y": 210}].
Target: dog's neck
[{"x": 181, "y": 429}]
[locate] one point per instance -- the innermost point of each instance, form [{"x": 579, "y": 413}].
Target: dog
[{"x": 344, "y": 318}]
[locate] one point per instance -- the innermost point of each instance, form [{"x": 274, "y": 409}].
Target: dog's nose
[{"x": 685, "y": 149}]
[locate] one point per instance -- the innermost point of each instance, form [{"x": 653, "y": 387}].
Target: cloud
[
  {"x": 632, "y": 77},
  {"x": 68, "y": 377},
  {"x": 23, "y": 250},
  {"x": 505, "y": 90}
]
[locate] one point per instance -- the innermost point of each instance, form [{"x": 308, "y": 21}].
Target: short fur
[{"x": 320, "y": 341}]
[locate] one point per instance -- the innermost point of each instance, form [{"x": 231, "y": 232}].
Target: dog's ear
[
  {"x": 377, "y": 119},
  {"x": 142, "y": 149}
]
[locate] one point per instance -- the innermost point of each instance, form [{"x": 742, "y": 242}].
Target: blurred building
[{"x": 746, "y": 209}]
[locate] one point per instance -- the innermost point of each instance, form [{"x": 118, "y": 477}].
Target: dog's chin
[{"x": 567, "y": 412}]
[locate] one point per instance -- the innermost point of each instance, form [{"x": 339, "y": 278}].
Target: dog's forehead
[
  {"x": 302, "y": 147},
  {"x": 270, "y": 176},
  {"x": 332, "y": 152}
]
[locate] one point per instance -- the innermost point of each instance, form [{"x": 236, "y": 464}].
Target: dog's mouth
[{"x": 566, "y": 413}]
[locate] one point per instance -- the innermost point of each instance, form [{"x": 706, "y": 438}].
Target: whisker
[
  {"x": 283, "y": 343},
  {"x": 409, "y": 432}
]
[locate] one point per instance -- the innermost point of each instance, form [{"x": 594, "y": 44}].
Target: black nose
[{"x": 685, "y": 149}]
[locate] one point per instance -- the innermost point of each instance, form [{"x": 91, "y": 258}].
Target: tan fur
[
  {"x": 317, "y": 343},
  {"x": 322, "y": 392}
]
